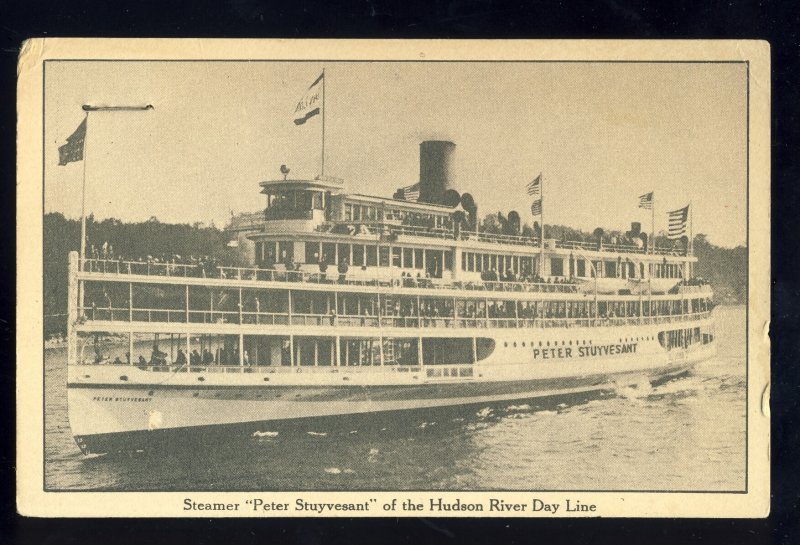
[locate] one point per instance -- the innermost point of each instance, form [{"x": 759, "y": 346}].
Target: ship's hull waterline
[{"x": 134, "y": 415}]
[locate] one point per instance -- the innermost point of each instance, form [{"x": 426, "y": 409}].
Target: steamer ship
[{"x": 362, "y": 305}]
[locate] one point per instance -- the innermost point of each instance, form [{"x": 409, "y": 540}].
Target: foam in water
[
  {"x": 317, "y": 433},
  {"x": 333, "y": 470},
  {"x": 524, "y": 407},
  {"x": 483, "y": 413},
  {"x": 265, "y": 434}
]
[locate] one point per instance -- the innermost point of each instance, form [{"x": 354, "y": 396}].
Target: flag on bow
[
  {"x": 73, "y": 149},
  {"x": 678, "y": 220},
  {"x": 311, "y": 103},
  {"x": 646, "y": 201},
  {"x": 534, "y": 187}
]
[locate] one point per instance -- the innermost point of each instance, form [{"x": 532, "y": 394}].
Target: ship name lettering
[{"x": 565, "y": 352}]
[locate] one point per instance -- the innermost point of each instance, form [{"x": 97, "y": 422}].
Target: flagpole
[
  {"x": 82, "y": 260},
  {"x": 322, "y": 170},
  {"x": 541, "y": 238},
  {"x": 83, "y": 202},
  {"x": 653, "y": 226}
]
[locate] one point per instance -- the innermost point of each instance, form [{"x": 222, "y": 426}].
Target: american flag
[
  {"x": 678, "y": 220},
  {"x": 535, "y": 186},
  {"x": 536, "y": 207},
  {"x": 411, "y": 193},
  {"x": 73, "y": 149},
  {"x": 646, "y": 201}
]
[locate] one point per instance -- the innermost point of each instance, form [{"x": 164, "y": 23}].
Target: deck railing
[
  {"x": 497, "y": 238},
  {"x": 168, "y": 270},
  {"x": 370, "y": 321}
]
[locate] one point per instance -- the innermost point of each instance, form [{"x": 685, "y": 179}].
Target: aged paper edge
[{"x": 33, "y": 500}]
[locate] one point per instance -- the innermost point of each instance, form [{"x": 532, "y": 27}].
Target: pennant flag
[
  {"x": 311, "y": 103},
  {"x": 646, "y": 201},
  {"x": 678, "y": 220},
  {"x": 535, "y": 187},
  {"x": 411, "y": 193},
  {"x": 536, "y": 207},
  {"x": 73, "y": 149}
]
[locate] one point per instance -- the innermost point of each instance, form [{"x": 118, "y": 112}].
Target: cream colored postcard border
[{"x": 32, "y": 500}]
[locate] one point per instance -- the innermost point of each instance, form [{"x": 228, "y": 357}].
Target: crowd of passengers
[
  {"x": 221, "y": 356},
  {"x": 103, "y": 259}
]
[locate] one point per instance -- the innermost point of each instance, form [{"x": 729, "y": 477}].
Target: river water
[{"x": 685, "y": 435}]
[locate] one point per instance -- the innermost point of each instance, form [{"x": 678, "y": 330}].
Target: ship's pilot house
[{"x": 308, "y": 222}]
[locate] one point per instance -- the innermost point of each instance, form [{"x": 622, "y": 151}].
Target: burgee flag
[
  {"x": 535, "y": 186},
  {"x": 311, "y": 103},
  {"x": 646, "y": 201},
  {"x": 73, "y": 149},
  {"x": 678, "y": 219}
]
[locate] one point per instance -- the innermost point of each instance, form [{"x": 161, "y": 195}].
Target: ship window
[
  {"x": 383, "y": 253},
  {"x": 396, "y": 257},
  {"x": 285, "y": 251},
  {"x": 408, "y": 257},
  {"x": 329, "y": 253},
  {"x": 484, "y": 348},
  {"x": 312, "y": 252},
  {"x": 418, "y": 258},
  {"x": 344, "y": 253},
  {"x": 557, "y": 266},
  {"x": 358, "y": 255},
  {"x": 581, "y": 265},
  {"x": 448, "y": 261},
  {"x": 447, "y": 351},
  {"x": 372, "y": 256},
  {"x": 348, "y": 212}
]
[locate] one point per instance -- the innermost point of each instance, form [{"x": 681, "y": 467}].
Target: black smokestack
[{"x": 436, "y": 169}]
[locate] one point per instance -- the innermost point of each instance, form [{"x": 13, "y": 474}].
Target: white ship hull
[{"x": 123, "y": 407}]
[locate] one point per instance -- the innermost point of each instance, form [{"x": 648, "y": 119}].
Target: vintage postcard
[{"x": 268, "y": 278}]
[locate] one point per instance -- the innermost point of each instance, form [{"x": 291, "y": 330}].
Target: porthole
[
  {"x": 540, "y": 343},
  {"x": 548, "y": 343},
  {"x": 523, "y": 344},
  {"x": 505, "y": 344}
]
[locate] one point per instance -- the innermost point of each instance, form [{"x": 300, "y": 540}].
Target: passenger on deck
[
  {"x": 142, "y": 361},
  {"x": 323, "y": 270},
  {"x": 194, "y": 358},
  {"x": 180, "y": 359},
  {"x": 343, "y": 268}
]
